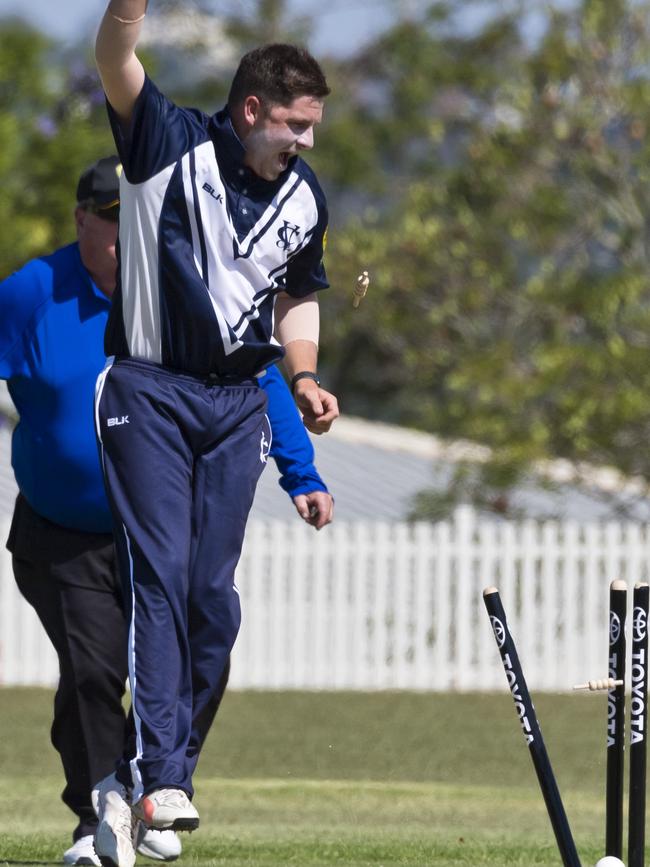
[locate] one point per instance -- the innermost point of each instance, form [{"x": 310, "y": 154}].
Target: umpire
[{"x": 52, "y": 318}]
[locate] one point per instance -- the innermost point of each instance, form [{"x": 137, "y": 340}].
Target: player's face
[
  {"x": 279, "y": 132},
  {"x": 97, "y": 239}
]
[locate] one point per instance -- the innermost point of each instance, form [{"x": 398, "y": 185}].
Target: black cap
[{"x": 99, "y": 186}]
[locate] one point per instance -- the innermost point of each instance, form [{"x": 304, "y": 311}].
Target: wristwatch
[{"x": 304, "y": 374}]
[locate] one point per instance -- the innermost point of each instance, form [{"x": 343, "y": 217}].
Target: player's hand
[
  {"x": 316, "y": 508},
  {"x": 319, "y": 408}
]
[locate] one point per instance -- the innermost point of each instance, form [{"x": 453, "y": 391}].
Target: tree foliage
[
  {"x": 497, "y": 190},
  {"x": 51, "y": 129},
  {"x": 510, "y": 300}
]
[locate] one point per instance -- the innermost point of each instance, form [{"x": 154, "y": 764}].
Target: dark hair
[{"x": 277, "y": 74}]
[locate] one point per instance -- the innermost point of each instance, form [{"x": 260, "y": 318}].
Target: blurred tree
[
  {"x": 53, "y": 124},
  {"x": 498, "y": 191},
  {"x": 200, "y": 43},
  {"x": 510, "y": 301}
]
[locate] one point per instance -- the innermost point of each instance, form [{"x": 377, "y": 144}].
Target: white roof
[{"x": 374, "y": 470}]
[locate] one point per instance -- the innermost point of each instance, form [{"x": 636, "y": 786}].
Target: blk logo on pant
[{"x": 118, "y": 420}]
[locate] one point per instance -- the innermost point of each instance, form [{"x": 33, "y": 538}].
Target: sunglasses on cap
[{"x": 110, "y": 212}]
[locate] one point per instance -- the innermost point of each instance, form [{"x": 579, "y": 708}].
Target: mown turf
[{"x": 343, "y": 778}]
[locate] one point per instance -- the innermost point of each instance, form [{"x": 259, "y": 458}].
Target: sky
[{"x": 341, "y": 24}]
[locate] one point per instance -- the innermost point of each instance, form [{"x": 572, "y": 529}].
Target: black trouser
[{"x": 70, "y": 578}]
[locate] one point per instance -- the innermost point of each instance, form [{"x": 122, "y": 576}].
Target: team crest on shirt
[{"x": 289, "y": 236}]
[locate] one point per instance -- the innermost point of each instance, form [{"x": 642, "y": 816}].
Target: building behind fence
[{"x": 398, "y": 606}]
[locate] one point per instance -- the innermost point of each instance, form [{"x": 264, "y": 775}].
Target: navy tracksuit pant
[{"x": 181, "y": 458}]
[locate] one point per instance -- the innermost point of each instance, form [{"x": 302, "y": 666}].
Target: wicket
[
  {"x": 616, "y": 724},
  {"x": 615, "y": 721},
  {"x": 615, "y": 685},
  {"x": 530, "y": 728},
  {"x": 638, "y": 727}
]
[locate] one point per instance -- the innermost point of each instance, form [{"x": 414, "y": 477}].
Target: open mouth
[{"x": 284, "y": 159}]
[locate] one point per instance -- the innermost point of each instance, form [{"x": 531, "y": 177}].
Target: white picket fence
[{"x": 396, "y": 606}]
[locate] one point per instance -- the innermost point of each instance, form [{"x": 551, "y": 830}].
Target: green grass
[{"x": 343, "y": 778}]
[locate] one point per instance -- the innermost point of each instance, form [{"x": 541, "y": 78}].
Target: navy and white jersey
[{"x": 204, "y": 244}]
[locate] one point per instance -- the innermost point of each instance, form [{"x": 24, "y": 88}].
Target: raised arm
[
  {"x": 121, "y": 72},
  {"x": 297, "y": 326}
]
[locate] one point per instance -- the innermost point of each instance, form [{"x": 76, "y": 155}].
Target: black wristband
[{"x": 304, "y": 374}]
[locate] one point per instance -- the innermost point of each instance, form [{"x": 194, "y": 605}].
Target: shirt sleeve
[
  {"x": 158, "y": 134},
  {"x": 20, "y": 298},
  {"x": 291, "y": 448},
  {"x": 306, "y": 270}
]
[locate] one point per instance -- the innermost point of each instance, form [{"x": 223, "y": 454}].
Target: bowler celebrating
[{"x": 221, "y": 233}]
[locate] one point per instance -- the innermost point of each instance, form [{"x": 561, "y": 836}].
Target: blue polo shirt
[{"x": 52, "y": 322}]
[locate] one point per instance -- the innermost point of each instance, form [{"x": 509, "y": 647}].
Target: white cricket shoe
[
  {"x": 105, "y": 785},
  {"x": 114, "y": 834},
  {"x": 167, "y": 809},
  {"x": 160, "y": 845},
  {"x": 82, "y": 852}
]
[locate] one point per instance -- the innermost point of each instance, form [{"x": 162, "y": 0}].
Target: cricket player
[
  {"x": 221, "y": 232},
  {"x": 53, "y": 314}
]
